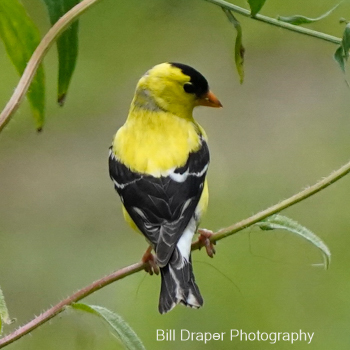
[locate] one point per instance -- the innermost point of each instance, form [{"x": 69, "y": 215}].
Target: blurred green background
[{"x": 286, "y": 127}]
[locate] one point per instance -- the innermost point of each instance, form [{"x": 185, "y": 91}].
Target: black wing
[{"x": 162, "y": 207}]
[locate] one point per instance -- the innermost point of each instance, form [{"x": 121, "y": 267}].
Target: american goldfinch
[{"x": 158, "y": 163}]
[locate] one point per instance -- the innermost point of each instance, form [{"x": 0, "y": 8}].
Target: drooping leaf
[
  {"x": 255, "y": 6},
  {"x": 341, "y": 55},
  {"x": 239, "y": 49},
  {"x": 4, "y": 314},
  {"x": 124, "y": 332},
  {"x": 21, "y": 37},
  {"x": 346, "y": 41},
  {"x": 298, "y": 19},
  {"x": 67, "y": 45},
  {"x": 284, "y": 223}
]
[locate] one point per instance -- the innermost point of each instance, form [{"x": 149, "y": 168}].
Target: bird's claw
[
  {"x": 150, "y": 261},
  {"x": 204, "y": 241}
]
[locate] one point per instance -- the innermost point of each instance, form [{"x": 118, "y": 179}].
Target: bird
[{"x": 158, "y": 163}]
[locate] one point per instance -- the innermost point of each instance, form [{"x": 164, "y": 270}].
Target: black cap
[{"x": 199, "y": 84}]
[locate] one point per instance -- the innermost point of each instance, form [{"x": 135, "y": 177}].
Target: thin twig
[
  {"x": 308, "y": 192},
  {"x": 275, "y": 22},
  {"x": 61, "y": 306},
  {"x": 37, "y": 57},
  {"x": 129, "y": 270}
]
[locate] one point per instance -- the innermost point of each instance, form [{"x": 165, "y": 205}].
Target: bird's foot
[
  {"x": 149, "y": 259},
  {"x": 204, "y": 241}
]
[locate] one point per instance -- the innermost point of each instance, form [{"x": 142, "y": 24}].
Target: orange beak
[{"x": 210, "y": 100}]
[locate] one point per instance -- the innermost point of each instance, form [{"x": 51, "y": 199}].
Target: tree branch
[
  {"x": 276, "y": 22},
  {"x": 61, "y": 306},
  {"x": 129, "y": 270},
  {"x": 58, "y": 28}
]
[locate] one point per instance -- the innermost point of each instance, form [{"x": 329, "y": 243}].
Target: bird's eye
[{"x": 189, "y": 88}]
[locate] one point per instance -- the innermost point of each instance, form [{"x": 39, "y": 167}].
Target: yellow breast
[{"x": 154, "y": 142}]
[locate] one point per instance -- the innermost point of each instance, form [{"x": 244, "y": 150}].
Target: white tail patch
[
  {"x": 184, "y": 243},
  {"x": 179, "y": 290},
  {"x": 192, "y": 301}
]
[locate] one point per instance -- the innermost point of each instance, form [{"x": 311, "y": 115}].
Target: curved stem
[
  {"x": 129, "y": 270},
  {"x": 308, "y": 192},
  {"x": 61, "y": 306},
  {"x": 276, "y": 22},
  {"x": 37, "y": 57}
]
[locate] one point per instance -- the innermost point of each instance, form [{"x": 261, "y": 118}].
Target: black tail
[{"x": 178, "y": 285}]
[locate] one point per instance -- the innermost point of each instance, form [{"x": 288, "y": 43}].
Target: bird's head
[{"x": 175, "y": 88}]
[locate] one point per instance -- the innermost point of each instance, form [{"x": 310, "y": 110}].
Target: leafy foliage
[
  {"x": 67, "y": 45},
  {"x": 120, "y": 328},
  {"x": 21, "y": 37}
]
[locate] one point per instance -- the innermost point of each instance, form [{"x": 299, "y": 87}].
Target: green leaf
[
  {"x": 346, "y": 41},
  {"x": 298, "y": 20},
  {"x": 4, "y": 314},
  {"x": 255, "y": 6},
  {"x": 21, "y": 37},
  {"x": 239, "y": 49},
  {"x": 124, "y": 332},
  {"x": 284, "y": 223},
  {"x": 67, "y": 45},
  {"x": 341, "y": 55}
]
